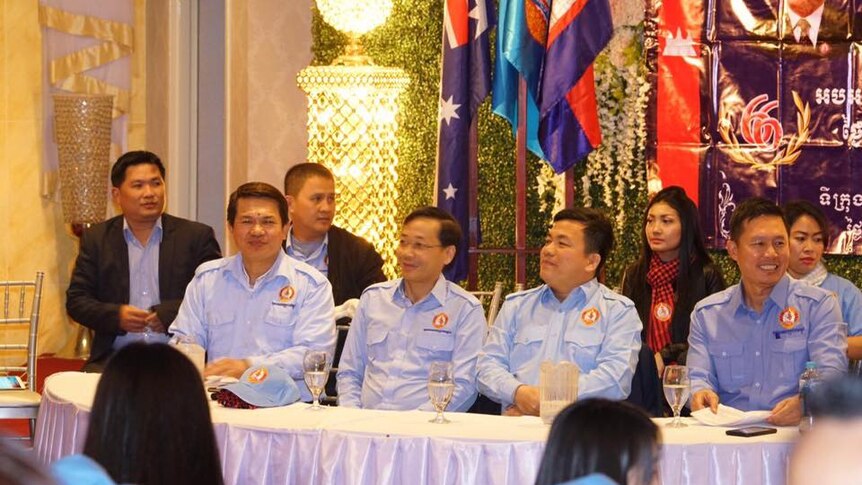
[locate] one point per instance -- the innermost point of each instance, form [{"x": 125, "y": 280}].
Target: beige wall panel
[
  {"x": 38, "y": 240},
  {"x": 279, "y": 46},
  {"x": 157, "y": 79}
]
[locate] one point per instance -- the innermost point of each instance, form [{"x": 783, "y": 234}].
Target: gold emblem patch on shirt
[
  {"x": 590, "y": 316},
  {"x": 662, "y": 312},
  {"x": 440, "y": 320},
  {"x": 287, "y": 294},
  {"x": 789, "y": 317}
]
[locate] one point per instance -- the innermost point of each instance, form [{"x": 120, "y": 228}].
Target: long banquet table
[{"x": 294, "y": 445}]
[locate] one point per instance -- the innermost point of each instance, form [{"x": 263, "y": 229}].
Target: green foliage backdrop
[{"x": 613, "y": 178}]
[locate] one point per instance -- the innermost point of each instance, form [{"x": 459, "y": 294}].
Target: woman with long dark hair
[
  {"x": 809, "y": 238},
  {"x": 672, "y": 274},
  {"x": 150, "y": 423},
  {"x": 613, "y": 438}
]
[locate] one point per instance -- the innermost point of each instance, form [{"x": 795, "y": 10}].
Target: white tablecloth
[{"x": 351, "y": 446}]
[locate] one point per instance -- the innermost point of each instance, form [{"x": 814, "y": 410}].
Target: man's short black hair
[
  {"x": 296, "y": 176},
  {"x": 258, "y": 190},
  {"x": 598, "y": 231},
  {"x": 450, "y": 230},
  {"x": 128, "y": 159},
  {"x": 750, "y": 209}
]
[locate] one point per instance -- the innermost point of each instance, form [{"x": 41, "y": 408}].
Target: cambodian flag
[
  {"x": 465, "y": 82},
  {"x": 552, "y": 44}
]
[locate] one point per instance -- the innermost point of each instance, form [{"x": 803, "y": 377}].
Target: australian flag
[
  {"x": 552, "y": 44},
  {"x": 464, "y": 84}
]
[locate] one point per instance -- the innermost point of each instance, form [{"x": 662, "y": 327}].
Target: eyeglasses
[{"x": 417, "y": 246}]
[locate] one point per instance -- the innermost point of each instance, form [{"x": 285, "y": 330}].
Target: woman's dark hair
[
  {"x": 692, "y": 251},
  {"x": 600, "y": 436},
  {"x": 795, "y": 209},
  {"x": 150, "y": 422}
]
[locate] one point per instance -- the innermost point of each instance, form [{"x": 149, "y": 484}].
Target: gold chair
[
  {"x": 16, "y": 316},
  {"x": 491, "y": 299}
]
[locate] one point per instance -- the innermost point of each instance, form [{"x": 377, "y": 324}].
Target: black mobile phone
[{"x": 750, "y": 431}]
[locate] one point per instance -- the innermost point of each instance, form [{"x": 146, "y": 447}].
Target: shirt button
[
  {"x": 757, "y": 354},
  {"x": 756, "y": 384},
  {"x": 758, "y": 320},
  {"x": 724, "y": 354}
]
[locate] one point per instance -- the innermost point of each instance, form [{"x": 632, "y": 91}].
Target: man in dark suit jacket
[
  {"x": 132, "y": 270},
  {"x": 349, "y": 262}
]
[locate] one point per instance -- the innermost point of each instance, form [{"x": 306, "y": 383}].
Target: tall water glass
[
  {"x": 558, "y": 387},
  {"x": 441, "y": 387},
  {"x": 316, "y": 365},
  {"x": 677, "y": 388}
]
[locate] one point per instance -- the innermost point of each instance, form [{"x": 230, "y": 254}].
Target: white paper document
[{"x": 728, "y": 416}]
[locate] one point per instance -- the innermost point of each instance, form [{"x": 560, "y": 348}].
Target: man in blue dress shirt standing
[
  {"x": 571, "y": 317},
  {"x": 749, "y": 343},
  {"x": 258, "y": 307},
  {"x": 402, "y": 325}
]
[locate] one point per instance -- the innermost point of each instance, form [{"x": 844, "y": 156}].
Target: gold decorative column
[
  {"x": 82, "y": 131},
  {"x": 353, "y": 127}
]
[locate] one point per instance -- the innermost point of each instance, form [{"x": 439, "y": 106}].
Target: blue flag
[
  {"x": 465, "y": 81},
  {"x": 552, "y": 44}
]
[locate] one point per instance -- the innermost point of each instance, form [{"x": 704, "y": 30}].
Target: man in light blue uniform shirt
[
  {"x": 258, "y": 307},
  {"x": 571, "y": 317},
  {"x": 402, "y": 325},
  {"x": 749, "y": 343}
]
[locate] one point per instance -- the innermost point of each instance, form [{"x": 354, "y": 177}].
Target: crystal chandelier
[{"x": 353, "y": 126}]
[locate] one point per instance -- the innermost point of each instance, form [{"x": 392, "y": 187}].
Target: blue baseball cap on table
[{"x": 265, "y": 386}]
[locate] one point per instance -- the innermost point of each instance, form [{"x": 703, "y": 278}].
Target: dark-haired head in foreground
[
  {"x": 828, "y": 454},
  {"x": 150, "y": 422},
  {"x": 601, "y": 436}
]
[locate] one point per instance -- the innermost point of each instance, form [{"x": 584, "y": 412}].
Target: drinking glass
[
  {"x": 441, "y": 386},
  {"x": 677, "y": 388},
  {"x": 316, "y": 366}
]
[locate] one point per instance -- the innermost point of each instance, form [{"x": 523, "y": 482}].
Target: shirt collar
[
  {"x": 287, "y": 242},
  {"x": 778, "y": 295},
  {"x": 155, "y": 235},
  {"x": 279, "y": 268},
  {"x": 813, "y": 21},
  {"x": 577, "y": 297},
  {"x": 438, "y": 293}
]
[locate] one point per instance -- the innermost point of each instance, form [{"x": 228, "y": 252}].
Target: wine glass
[
  {"x": 441, "y": 386},
  {"x": 677, "y": 388},
  {"x": 316, "y": 366}
]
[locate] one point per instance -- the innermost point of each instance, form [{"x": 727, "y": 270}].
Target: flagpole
[
  {"x": 570, "y": 187},
  {"x": 473, "y": 205},
  {"x": 521, "y": 186}
]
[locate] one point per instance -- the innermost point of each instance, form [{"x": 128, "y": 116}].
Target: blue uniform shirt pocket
[
  {"x": 526, "y": 345},
  {"x": 583, "y": 345},
  {"x": 279, "y": 324},
  {"x": 376, "y": 342},
  {"x": 731, "y": 368},
  {"x": 220, "y": 330},
  {"x": 789, "y": 355},
  {"x": 436, "y": 345}
]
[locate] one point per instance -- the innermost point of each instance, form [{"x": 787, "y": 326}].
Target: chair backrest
[
  {"x": 492, "y": 300},
  {"x": 16, "y": 312}
]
